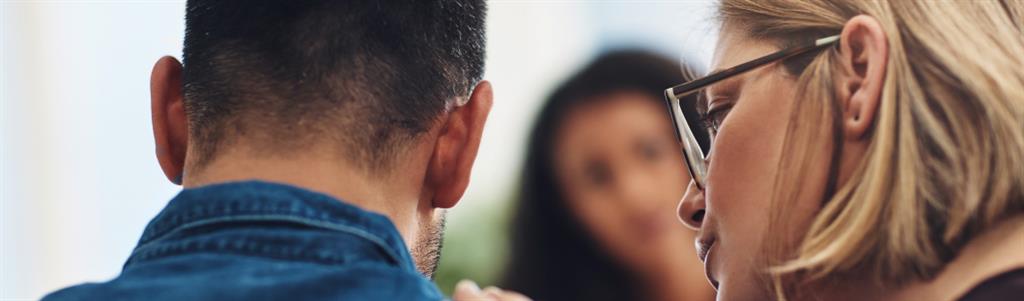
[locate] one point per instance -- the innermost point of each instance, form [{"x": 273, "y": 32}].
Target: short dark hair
[
  {"x": 553, "y": 257},
  {"x": 368, "y": 75}
]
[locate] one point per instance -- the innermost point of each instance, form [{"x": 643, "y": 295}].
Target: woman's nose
[{"x": 691, "y": 207}]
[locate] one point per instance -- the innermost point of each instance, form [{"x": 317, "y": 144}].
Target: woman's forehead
[{"x": 735, "y": 47}]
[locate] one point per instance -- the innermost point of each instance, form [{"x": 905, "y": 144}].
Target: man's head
[
  {"x": 367, "y": 75},
  {"x": 299, "y": 91}
]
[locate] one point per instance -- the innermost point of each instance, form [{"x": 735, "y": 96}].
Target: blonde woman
[{"x": 862, "y": 150}]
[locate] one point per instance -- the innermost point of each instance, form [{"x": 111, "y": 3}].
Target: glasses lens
[
  {"x": 694, "y": 107},
  {"x": 692, "y": 137}
]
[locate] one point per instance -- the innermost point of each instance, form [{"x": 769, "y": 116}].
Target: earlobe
[
  {"x": 170, "y": 125},
  {"x": 455, "y": 151},
  {"x": 864, "y": 57}
]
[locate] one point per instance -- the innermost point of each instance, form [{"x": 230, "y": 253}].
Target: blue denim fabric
[{"x": 263, "y": 241}]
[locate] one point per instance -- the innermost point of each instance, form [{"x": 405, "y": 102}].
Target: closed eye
[{"x": 712, "y": 120}]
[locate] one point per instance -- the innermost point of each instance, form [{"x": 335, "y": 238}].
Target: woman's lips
[{"x": 704, "y": 246}]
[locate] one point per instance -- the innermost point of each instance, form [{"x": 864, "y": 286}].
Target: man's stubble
[{"x": 427, "y": 251}]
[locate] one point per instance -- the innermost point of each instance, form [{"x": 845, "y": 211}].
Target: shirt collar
[{"x": 265, "y": 200}]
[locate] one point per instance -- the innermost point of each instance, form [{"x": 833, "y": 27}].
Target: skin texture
[
  {"x": 430, "y": 177},
  {"x": 743, "y": 159},
  {"x": 748, "y": 147},
  {"x": 617, "y": 161}
]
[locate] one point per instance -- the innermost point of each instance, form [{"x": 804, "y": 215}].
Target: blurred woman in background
[{"x": 603, "y": 175}]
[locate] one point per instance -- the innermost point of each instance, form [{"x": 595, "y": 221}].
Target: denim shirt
[{"x": 263, "y": 241}]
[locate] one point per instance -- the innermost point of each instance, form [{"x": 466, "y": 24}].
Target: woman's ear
[
  {"x": 170, "y": 127},
  {"x": 863, "y": 57},
  {"x": 455, "y": 150}
]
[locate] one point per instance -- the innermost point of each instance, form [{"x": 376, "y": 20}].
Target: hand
[{"x": 467, "y": 290}]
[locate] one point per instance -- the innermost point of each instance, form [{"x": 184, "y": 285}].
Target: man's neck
[{"x": 334, "y": 177}]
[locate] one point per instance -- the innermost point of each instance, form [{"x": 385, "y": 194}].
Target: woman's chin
[
  {"x": 725, "y": 292},
  {"x": 740, "y": 290}
]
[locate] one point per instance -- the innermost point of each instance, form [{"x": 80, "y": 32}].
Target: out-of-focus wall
[
  {"x": 80, "y": 179},
  {"x": 78, "y": 175}
]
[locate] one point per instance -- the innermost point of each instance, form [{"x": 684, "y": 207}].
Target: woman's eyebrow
[
  {"x": 725, "y": 84},
  {"x": 703, "y": 97},
  {"x": 724, "y": 88}
]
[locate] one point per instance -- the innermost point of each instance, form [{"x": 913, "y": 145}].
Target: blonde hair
[{"x": 946, "y": 157}]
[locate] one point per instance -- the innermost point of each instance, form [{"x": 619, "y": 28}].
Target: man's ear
[
  {"x": 170, "y": 127},
  {"x": 863, "y": 56},
  {"x": 457, "y": 144}
]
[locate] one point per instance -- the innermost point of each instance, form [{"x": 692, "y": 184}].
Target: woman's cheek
[
  {"x": 743, "y": 163},
  {"x": 593, "y": 213}
]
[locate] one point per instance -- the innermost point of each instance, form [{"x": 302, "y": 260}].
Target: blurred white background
[{"x": 78, "y": 175}]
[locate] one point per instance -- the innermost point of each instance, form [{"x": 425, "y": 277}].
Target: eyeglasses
[{"x": 696, "y": 162}]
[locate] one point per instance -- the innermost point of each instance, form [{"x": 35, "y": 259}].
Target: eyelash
[{"x": 711, "y": 120}]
